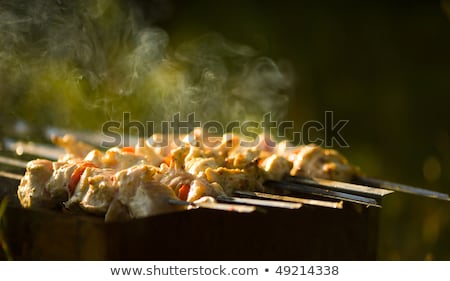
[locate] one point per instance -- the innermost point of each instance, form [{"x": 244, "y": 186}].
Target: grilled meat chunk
[
  {"x": 313, "y": 161},
  {"x": 32, "y": 191},
  {"x": 276, "y": 167},
  {"x": 139, "y": 195},
  {"x": 200, "y": 187}
]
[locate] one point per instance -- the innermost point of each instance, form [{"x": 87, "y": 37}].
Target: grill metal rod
[
  {"x": 215, "y": 206},
  {"x": 357, "y": 189},
  {"x": 9, "y": 175},
  {"x": 403, "y": 188},
  {"x": 321, "y": 203},
  {"x": 259, "y": 202},
  {"x": 305, "y": 189},
  {"x": 31, "y": 148},
  {"x": 12, "y": 162}
]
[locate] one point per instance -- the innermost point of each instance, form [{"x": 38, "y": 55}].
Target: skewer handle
[{"x": 402, "y": 188}]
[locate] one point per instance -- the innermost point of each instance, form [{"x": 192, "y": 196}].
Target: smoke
[{"x": 81, "y": 63}]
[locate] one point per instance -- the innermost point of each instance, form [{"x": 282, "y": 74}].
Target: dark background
[
  {"x": 382, "y": 65},
  {"x": 385, "y": 66}
]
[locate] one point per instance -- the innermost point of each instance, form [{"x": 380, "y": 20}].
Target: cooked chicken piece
[
  {"x": 241, "y": 158},
  {"x": 151, "y": 198},
  {"x": 123, "y": 158},
  {"x": 178, "y": 157},
  {"x": 276, "y": 167},
  {"x": 231, "y": 179},
  {"x": 32, "y": 190},
  {"x": 197, "y": 166},
  {"x": 201, "y": 187},
  {"x": 58, "y": 185},
  {"x": 139, "y": 195},
  {"x": 74, "y": 148},
  {"x": 82, "y": 185},
  {"x": 95, "y": 157},
  {"x": 174, "y": 178},
  {"x": 118, "y": 159},
  {"x": 100, "y": 193},
  {"x": 135, "y": 175},
  {"x": 194, "y": 152},
  {"x": 219, "y": 148},
  {"x": 256, "y": 175},
  {"x": 246, "y": 161},
  {"x": 313, "y": 161}
]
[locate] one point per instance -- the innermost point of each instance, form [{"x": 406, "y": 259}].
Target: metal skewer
[
  {"x": 259, "y": 202},
  {"x": 296, "y": 187},
  {"x": 40, "y": 150},
  {"x": 321, "y": 203},
  {"x": 402, "y": 188},
  {"x": 13, "y": 162},
  {"x": 10, "y": 175},
  {"x": 215, "y": 206},
  {"x": 342, "y": 186}
]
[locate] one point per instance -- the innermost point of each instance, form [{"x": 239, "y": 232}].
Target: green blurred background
[{"x": 382, "y": 65}]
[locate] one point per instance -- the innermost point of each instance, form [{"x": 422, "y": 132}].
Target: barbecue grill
[
  {"x": 345, "y": 229},
  {"x": 336, "y": 221}
]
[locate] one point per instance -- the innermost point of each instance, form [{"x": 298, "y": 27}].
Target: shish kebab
[{"x": 133, "y": 182}]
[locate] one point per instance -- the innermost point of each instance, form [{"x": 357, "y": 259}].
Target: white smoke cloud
[{"x": 80, "y": 63}]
